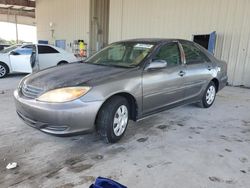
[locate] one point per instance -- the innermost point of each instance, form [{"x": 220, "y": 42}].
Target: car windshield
[
  {"x": 125, "y": 54},
  {"x": 7, "y": 50}
]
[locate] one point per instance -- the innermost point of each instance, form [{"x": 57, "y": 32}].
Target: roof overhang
[{"x": 24, "y": 8}]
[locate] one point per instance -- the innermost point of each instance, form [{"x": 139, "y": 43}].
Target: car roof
[
  {"x": 155, "y": 40},
  {"x": 36, "y": 44},
  {"x": 44, "y": 44}
]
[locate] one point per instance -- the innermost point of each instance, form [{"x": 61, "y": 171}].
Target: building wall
[
  {"x": 70, "y": 20},
  {"x": 158, "y": 18},
  {"x": 182, "y": 19}
]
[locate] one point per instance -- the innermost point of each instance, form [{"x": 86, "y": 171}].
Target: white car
[{"x": 32, "y": 57}]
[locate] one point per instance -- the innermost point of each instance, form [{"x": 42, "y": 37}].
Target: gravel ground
[{"x": 185, "y": 147}]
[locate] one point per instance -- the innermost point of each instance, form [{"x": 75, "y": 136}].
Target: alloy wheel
[
  {"x": 120, "y": 120},
  {"x": 2, "y": 71},
  {"x": 210, "y": 95}
]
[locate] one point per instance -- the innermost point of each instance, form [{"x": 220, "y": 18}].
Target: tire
[
  {"x": 4, "y": 70},
  {"x": 62, "y": 63},
  {"x": 112, "y": 119},
  {"x": 209, "y": 95}
]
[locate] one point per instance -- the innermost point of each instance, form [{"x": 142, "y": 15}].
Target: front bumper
[{"x": 58, "y": 118}]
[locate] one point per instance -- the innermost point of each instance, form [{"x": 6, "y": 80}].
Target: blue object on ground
[{"x": 101, "y": 182}]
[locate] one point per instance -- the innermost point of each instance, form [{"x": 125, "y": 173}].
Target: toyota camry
[{"x": 127, "y": 80}]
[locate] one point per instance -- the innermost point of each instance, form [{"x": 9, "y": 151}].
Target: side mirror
[{"x": 157, "y": 64}]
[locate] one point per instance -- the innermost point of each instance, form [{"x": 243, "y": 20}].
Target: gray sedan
[{"x": 127, "y": 80}]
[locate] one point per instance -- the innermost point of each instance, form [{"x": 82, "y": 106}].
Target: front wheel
[
  {"x": 3, "y": 70},
  {"x": 113, "y": 119},
  {"x": 209, "y": 95}
]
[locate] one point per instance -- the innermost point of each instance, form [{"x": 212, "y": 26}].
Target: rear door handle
[{"x": 182, "y": 73}]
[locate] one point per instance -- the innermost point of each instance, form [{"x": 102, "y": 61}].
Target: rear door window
[
  {"x": 194, "y": 55},
  {"x": 46, "y": 50}
]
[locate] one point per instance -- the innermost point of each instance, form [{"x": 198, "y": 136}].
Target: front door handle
[
  {"x": 182, "y": 73},
  {"x": 209, "y": 67}
]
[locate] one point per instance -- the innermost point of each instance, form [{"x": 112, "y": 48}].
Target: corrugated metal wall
[
  {"x": 184, "y": 18},
  {"x": 99, "y": 25},
  {"x": 159, "y": 18},
  {"x": 70, "y": 18}
]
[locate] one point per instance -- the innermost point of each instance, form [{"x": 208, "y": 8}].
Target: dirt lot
[{"x": 185, "y": 147}]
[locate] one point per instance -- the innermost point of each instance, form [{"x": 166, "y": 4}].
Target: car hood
[
  {"x": 3, "y": 54},
  {"x": 74, "y": 74}
]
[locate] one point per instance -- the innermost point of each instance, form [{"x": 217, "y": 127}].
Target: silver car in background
[{"x": 127, "y": 80}]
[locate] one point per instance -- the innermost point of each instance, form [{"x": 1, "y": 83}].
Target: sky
[{"x": 25, "y": 32}]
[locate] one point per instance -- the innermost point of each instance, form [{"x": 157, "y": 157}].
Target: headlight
[{"x": 63, "y": 94}]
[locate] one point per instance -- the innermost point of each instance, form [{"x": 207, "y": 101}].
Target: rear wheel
[
  {"x": 112, "y": 119},
  {"x": 62, "y": 63},
  {"x": 4, "y": 70},
  {"x": 209, "y": 95}
]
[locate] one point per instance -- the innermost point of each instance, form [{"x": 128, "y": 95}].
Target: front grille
[{"x": 31, "y": 91}]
